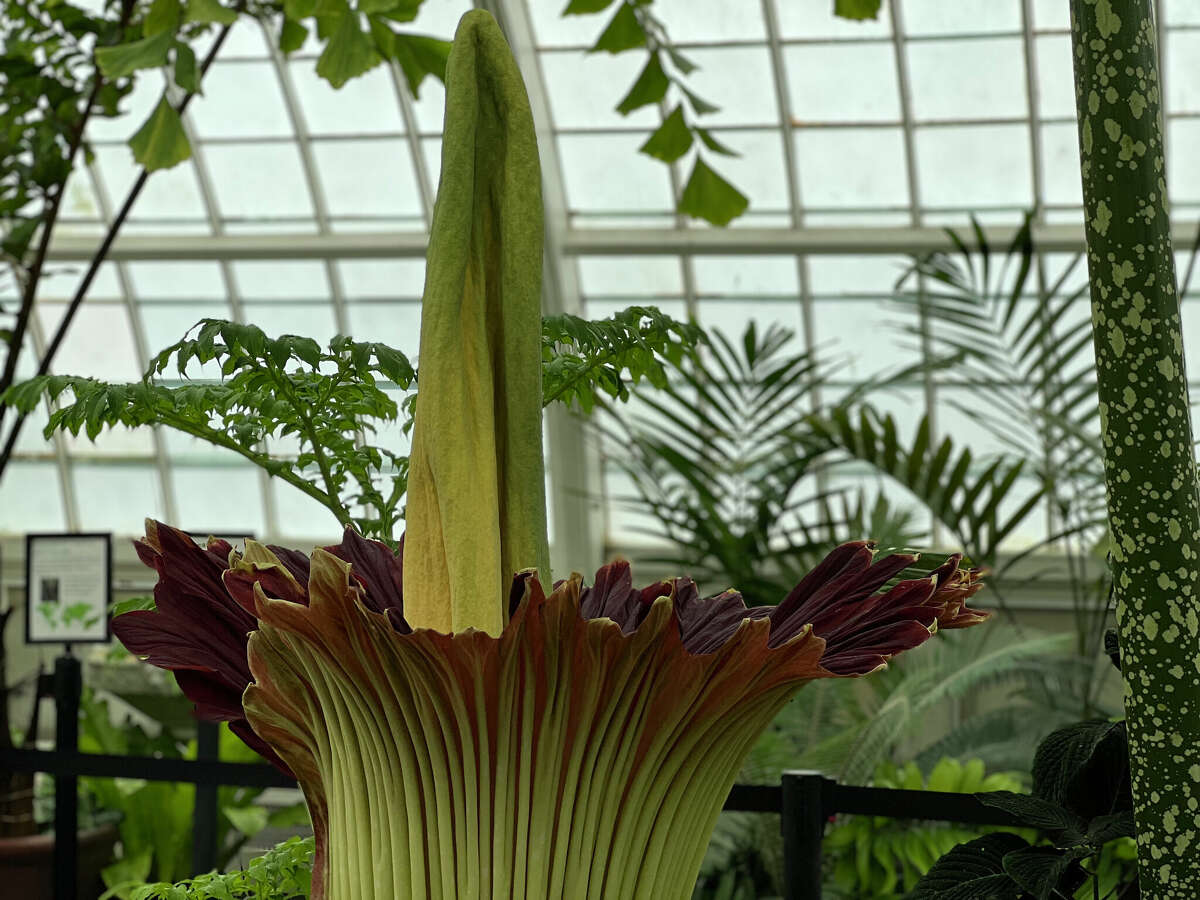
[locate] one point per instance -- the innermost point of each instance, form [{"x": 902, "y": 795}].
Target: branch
[{"x": 93, "y": 266}]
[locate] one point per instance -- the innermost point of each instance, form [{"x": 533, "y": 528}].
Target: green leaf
[
  {"x": 348, "y": 54},
  {"x": 710, "y": 197},
  {"x": 249, "y": 820},
  {"x": 418, "y": 56},
  {"x": 700, "y": 106},
  {"x": 1037, "y": 813},
  {"x": 125, "y": 59},
  {"x": 857, "y": 9},
  {"x": 1042, "y": 870},
  {"x": 209, "y": 12},
  {"x": 623, "y": 33},
  {"x": 672, "y": 139},
  {"x": 585, "y": 7},
  {"x": 299, "y": 9},
  {"x": 16, "y": 242},
  {"x": 973, "y": 871},
  {"x": 161, "y": 142},
  {"x": 713, "y": 144},
  {"x": 187, "y": 76},
  {"x": 133, "y": 603},
  {"x": 163, "y": 16},
  {"x": 650, "y": 87},
  {"x": 292, "y": 36}
]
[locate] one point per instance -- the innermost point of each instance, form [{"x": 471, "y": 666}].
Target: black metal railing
[{"x": 804, "y": 801}]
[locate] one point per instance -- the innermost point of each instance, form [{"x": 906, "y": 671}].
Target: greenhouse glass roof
[{"x": 305, "y": 209}]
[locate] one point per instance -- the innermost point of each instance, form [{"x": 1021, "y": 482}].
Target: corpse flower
[{"x": 461, "y": 726}]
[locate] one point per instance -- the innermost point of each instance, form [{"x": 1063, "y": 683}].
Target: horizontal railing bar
[
  {"x": 149, "y": 768},
  {"x": 941, "y": 806}
]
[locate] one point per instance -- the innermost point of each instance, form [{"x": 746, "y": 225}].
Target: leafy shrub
[{"x": 282, "y": 873}]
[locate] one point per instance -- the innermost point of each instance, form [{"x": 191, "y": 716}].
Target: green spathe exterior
[
  {"x": 1154, "y": 512},
  {"x": 476, "y": 490}
]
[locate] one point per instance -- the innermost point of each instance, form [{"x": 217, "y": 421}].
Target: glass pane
[
  {"x": 843, "y": 83},
  {"x": 382, "y": 278},
  {"x": 859, "y": 338},
  {"x": 216, "y": 499},
  {"x": 967, "y": 79},
  {"x": 605, "y": 173},
  {"x": 1181, "y": 12},
  {"x": 553, "y": 29},
  {"x": 258, "y": 183},
  {"x": 711, "y": 20},
  {"x": 301, "y": 518},
  {"x": 1183, "y": 93},
  {"x": 1052, "y": 14},
  {"x": 366, "y": 104},
  {"x": 166, "y": 323},
  {"x": 368, "y": 179},
  {"x": 585, "y": 88},
  {"x": 740, "y": 81},
  {"x": 814, "y": 19},
  {"x": 1183, "y": 176},
  {"x": 1060, "y": 165},
  {"x": 852, "y": 167},
  {"x": 99, "y": 342},
  {"x": 395, "y": 324},
  {"x": 172, "y": 195},
  {"x": 1056, "y": 76},
  {"x": 636, "y": 276},
  {"x": 31, "y": 498},
  {"x": 973, "y": 166},
  {"x": 758, "y": 171},
  {"x": 962, "y": 17},
  {"x": 746, "y": 275},
  {"x": 281, "y": 279},
  {"x": 112, "y": 442},
  {"x": 241, "y": 99},
  {"x": 184, "y": 281},
  {"x": 117, "y": 498},
  {"x": 314, "y": 320},
  {"x": 839, "y": 276}
]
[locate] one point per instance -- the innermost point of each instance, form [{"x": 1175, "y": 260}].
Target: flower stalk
[{"x": 1150, "y": 470}]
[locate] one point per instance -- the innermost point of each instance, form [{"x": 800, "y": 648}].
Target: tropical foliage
[{"x": 310, "y": 415}]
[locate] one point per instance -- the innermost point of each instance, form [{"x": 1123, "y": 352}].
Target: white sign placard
[{"x": 68, "y": 586}]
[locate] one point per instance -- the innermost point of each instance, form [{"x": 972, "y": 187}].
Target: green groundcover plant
[{"x": 460, "y": 724}]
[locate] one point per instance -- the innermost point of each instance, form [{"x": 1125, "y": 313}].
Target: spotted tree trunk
[{"x": 1154, "y": 512}]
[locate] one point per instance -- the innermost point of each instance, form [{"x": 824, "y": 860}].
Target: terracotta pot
[{"x": 27, "y": 864}]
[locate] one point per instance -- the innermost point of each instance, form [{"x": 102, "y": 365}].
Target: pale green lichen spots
[
  {"x": 1174, "y": 530},
  {"x": 1192, "y": 623},
  {"x": 1129, "y": 147},
  {"x": 1165, "y": 450},
  {"x": 1194, "y": 771},
  {"x": 1110, "y": 95},
  {"x": 1117, "y": 340},
  {"x": 1093, "y": 102},
  {"x": 1087, "y": 139},
  {"x": 1169, "y": 821},
  {"x": 1166, "y": 367},
  {"x": 1129, "y": 397},
  {"x": 1150, "y": 628},
  {"x": 1102, "y": 218},
  {"x": 1137, "y": 104},
  {"x": 1112, "y": 129},
  {"x": 1122, "y": 272}
]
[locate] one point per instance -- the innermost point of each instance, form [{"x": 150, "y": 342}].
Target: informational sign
[{"x": 68, "y": 587}]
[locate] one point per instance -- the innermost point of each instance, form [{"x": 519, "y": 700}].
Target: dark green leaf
[
  {"x": 1038, "y": 813},
  {"x": 1103, "y": 829},
  {"x": 710, "y": 197},
  {"x": 1045, "y": 872},
  {"x": 163, "y": 16},
  {"x": 16, "y": 242},
  {"x": 681, "y": 62},
  {"x": 1085, "y": 767},
  {"x": 973, "y": 871},
  {"x": 672, "y": 139},
  {"x": 161, "y": 142},
  {"x": 418, "y": 56},
  {"x": 857, "y": 9},
  {"x": 209, "y": 11},
  {"x": 125, "y": 59},
  {"x": 584, "y": 7},
  {"x": 296, "y": 10},
  {"x": 624, "y": 32},
  {"x": 713, "y": 144},
  {"x": 650, "y": 87},
  {"x": 349, "y": 52},
  {"x": 700, "y": 106},
  {"x": 292, "y": 36},
  {"x": 187, "y": 76}
]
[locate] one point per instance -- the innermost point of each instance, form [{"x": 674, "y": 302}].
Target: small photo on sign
[{"x": 68, "y": 587}]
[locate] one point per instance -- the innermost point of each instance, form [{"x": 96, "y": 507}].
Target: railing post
[
  {"x": 204, "y": 818},
  {"x": 804, "y": 814},
  {"x": 68, "y": 687}
]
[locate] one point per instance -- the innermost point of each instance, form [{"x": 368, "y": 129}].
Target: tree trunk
[
  {"x": 1154, "y": 512},
  {"x": 16, "y": 788}
]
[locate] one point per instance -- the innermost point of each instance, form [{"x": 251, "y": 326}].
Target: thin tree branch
[{"x": 98, "y": 259}]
